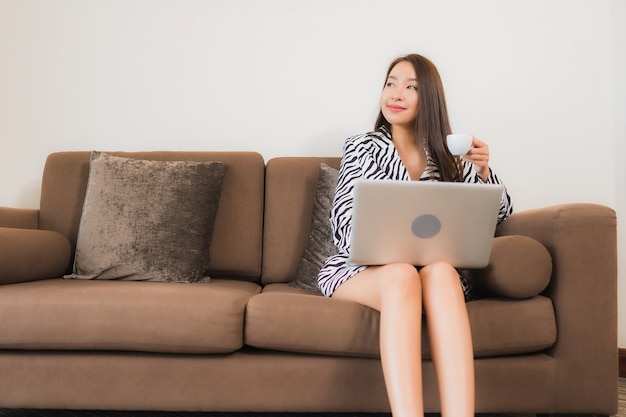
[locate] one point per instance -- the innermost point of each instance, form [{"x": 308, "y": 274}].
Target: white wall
[
  {"x": 536, "y": 79},
  {"x": 618, "y": 15}
]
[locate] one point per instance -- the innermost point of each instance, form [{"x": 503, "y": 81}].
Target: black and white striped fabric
[{"x": 373, "y": 156}]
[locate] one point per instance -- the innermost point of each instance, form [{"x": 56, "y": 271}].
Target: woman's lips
[{"x": 395, "y": 108}]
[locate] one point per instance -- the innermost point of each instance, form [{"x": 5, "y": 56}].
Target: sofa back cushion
[
  {"x": 237, "y": 236},
  {"x": 290, "y": 187}
]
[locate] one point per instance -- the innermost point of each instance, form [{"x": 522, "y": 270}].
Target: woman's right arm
[{"x": 341, "y": 212}]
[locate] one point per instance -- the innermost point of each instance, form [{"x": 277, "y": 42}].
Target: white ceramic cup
[{"x": 459, "y": 143}]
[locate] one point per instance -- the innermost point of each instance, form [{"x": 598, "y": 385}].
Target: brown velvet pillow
[
  {"x": 519, "y": 267},
  {"x": 147, "y": 220},
  {"x": 320, "y": 243}
]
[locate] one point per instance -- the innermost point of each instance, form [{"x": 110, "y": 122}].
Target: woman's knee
[
  {"x": 441, "y": 278},
  {"x": 402, "y": 279},
  {"x": 440, "y": 269}
]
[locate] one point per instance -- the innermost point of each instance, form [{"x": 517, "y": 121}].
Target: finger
[
  {"x": 477, "y": 157},
  {"x": 479, "y": 152},
  {"x": 478, "y": 143},
  {"x": 477, "y": 163}
]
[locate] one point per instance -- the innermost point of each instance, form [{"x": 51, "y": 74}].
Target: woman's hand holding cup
[{"x": 472, "y": 150}]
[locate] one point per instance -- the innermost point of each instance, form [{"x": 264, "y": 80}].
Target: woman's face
[{"x": 399, "y": 99}]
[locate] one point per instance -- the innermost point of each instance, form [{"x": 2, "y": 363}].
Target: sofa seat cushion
[
  {"x": 296, "y": 320},
  {"x": 123, "y": 315}
]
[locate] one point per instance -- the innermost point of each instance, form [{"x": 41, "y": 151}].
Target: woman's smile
[{"x": 395, "y": 108}]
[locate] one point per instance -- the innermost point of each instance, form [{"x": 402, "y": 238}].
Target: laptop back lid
[{"x": 421, "y": 222}]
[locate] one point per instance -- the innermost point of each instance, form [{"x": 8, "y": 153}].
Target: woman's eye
[
  {"x": 412, "y": 87},
  {"x": 389, "y": 84}
]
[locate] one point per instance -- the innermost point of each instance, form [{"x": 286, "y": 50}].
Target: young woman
[{"x": 409, "y": 145}]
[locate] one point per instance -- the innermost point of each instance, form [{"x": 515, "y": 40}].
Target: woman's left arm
[
  {"x": 476, "y": 169},
  {"x": 479, "y": 156}
]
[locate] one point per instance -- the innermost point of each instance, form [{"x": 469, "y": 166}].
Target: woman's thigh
[
  {"x": 369, "y": 286},
  {"x": 442, "y": 284}
]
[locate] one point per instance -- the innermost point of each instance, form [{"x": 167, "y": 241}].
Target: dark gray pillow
[
  {"x": 320, "y": 244},
  {"x": 147, "y": 220}
]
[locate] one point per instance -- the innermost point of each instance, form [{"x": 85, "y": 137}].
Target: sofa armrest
[
  {"x": 30, "y": 255},
  {"x": 19, "y": 218},
  {"x": 582, "y": 240}
]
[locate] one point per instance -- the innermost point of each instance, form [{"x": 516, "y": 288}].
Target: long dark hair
[{"x": 432, "y": 122}]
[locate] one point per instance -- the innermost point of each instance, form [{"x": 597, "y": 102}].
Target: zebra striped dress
[{"x": 373, "y": 156}]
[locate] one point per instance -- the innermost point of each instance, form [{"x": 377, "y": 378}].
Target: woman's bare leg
[
  {"x": 450, "y": 338},
  {"x": 395, "y": 291}
]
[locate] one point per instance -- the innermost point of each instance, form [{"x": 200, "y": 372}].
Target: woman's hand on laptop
[{"x": 479, "y": 156}]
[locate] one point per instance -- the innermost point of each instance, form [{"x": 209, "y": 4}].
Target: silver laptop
[{"x": 420, "y": 222}]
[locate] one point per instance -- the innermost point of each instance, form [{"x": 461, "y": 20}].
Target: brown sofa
[{"x": 249, "y": 342}]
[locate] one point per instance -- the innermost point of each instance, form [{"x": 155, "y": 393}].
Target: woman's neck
[
  {"x": 403, "y": 137},
  {"x": 412, "y": 155}
]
